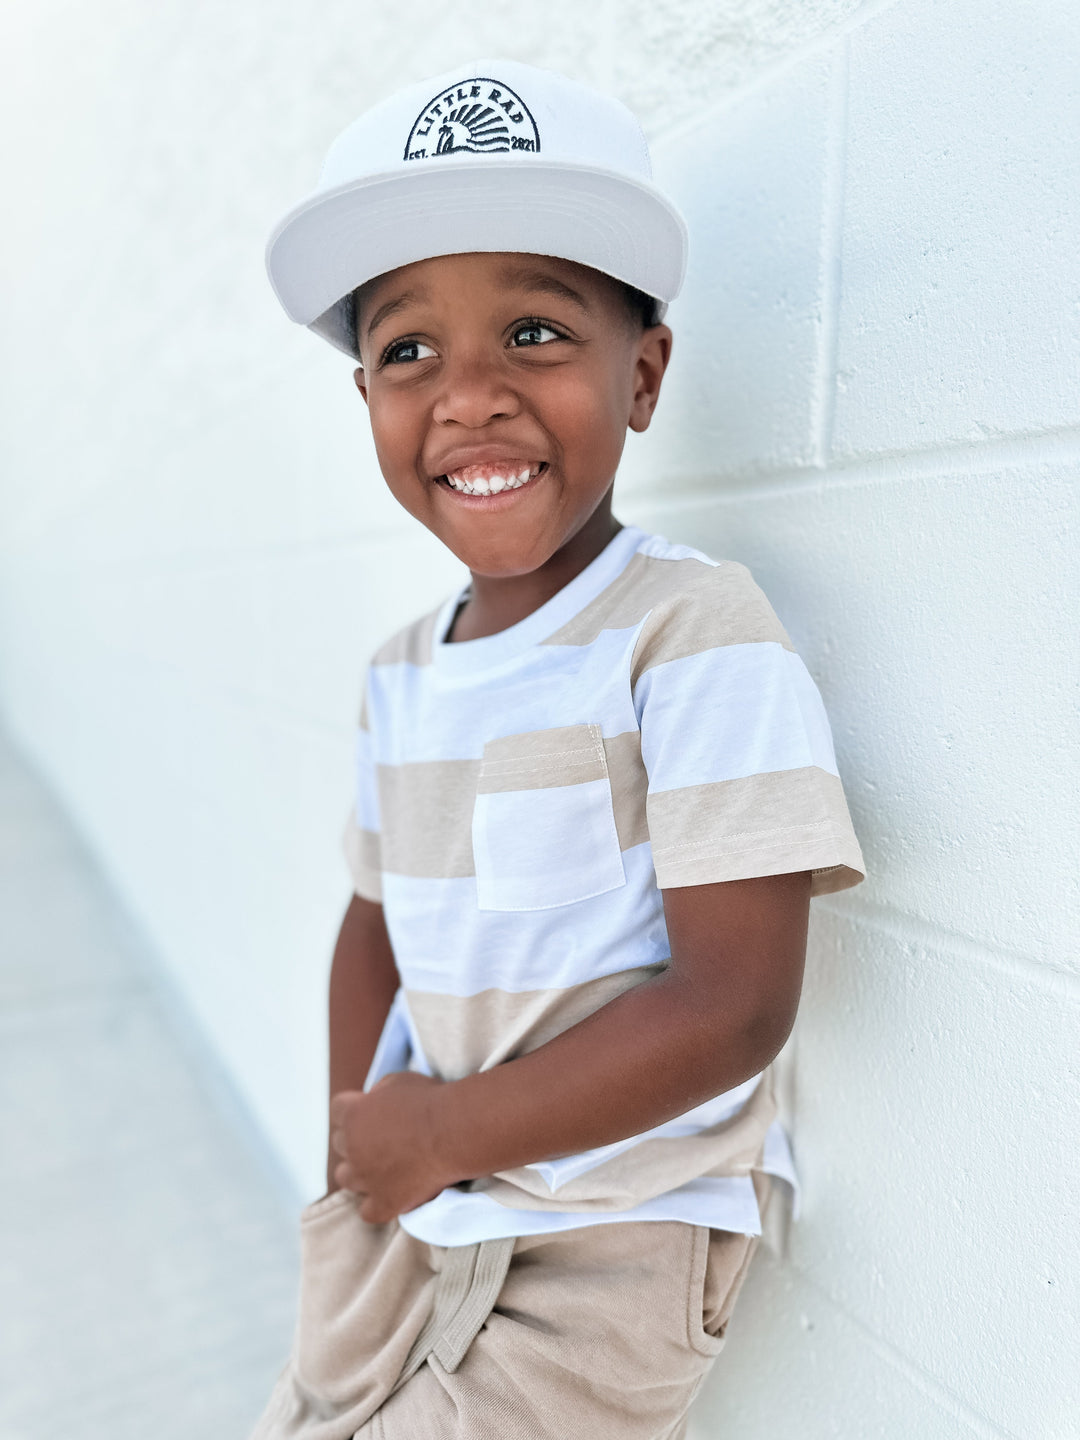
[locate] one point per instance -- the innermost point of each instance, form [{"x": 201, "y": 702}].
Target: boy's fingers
[
  {"x": 344, "y": 1177},
  {"x": 341, "y": 1104},
  {"x": 374, "y": 1213},
  {"x": 341, "y": 1107}
]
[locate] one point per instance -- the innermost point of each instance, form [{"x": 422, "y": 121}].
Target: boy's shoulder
[
  {"x": 702, "y": 605},
  {"x": 667, "y": 578},
  {"x": 683, "y": 601}
]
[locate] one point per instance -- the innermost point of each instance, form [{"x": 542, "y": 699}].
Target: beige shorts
[{"x": 604, "y": 1332}]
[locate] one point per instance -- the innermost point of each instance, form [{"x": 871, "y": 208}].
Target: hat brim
[{"x": 339, "y": 239}]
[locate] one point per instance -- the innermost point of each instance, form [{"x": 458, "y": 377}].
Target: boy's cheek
[{"x": 398, "y": 459}]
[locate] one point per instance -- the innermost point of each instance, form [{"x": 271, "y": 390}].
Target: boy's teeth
[{"x": 482, "y": 480}]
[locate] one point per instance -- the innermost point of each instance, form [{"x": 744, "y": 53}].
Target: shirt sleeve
[
  {"x": 742, "y": 778},
  {"x": 362, "y": 839}
]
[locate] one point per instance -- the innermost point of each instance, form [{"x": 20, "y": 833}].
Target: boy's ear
[
  {"x": 654, "y": 352},
  {"x": 360, "y": 381}
]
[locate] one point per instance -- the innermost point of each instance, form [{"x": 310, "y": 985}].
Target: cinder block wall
[{"x": 873, "y": 402}]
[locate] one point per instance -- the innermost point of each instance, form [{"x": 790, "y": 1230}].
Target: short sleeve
[
  {"x": 362, "y": 841},
  {"x": 742, "y": 778}
]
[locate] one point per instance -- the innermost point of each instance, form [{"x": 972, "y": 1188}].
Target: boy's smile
[{"x": 500, "y": 389}]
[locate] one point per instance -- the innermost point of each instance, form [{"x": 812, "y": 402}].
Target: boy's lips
[{"x": 493, "y": 477}]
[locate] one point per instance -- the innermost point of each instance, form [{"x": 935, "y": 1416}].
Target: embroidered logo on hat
[{"x": 478, "y": 116}]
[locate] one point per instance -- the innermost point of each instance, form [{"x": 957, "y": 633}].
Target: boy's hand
[{"x": 385, "y": 1146}]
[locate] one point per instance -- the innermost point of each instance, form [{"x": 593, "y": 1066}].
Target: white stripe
[
  {"x": 755, "y": 708},
  {"x": 813, "y": 712},
  {"x": 395, "y": 1047},
  {"x": 367, "y": 791},
  {"x": 418, "y": 714},
  {"x": 444, "y": 944}
]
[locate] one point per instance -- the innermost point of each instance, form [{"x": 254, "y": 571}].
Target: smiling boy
[
  {"x": 595, "y": 793},
  {"x": 548, "y": 401}
]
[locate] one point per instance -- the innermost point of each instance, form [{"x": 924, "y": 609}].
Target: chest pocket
[{"x": 543, "y": 825}]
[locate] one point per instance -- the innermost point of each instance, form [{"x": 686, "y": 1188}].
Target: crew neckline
[{"x": 467, "y": 657}]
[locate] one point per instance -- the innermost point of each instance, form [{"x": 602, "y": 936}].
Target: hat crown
[{"x": 484, "y": 110}]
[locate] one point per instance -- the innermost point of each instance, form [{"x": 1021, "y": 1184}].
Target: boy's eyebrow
[
  {"x": 391, "y": 307},
  {"x": 539, "y": 282},
  {"x": 543, "y": 283}
]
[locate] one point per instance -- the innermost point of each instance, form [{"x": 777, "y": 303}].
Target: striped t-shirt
[{"x": 523, "y": 799}]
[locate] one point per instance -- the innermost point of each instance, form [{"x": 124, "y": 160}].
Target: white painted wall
[{"x": 874, "y": 403}]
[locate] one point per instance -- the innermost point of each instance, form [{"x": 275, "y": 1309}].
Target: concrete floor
[{"x": 147, "y": 1243}]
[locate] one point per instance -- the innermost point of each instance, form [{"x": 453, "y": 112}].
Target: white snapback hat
[{"x": 492, "y": 156}]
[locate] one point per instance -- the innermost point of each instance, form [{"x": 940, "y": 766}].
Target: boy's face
[{"x": 512, "y": 374}]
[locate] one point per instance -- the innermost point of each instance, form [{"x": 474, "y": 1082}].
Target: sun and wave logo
[
  {"x": 475, "y": 128},
  {"x": 476, "y": 117}
]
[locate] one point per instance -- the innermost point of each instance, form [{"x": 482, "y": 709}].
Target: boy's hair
[{"x": 640, "y": 308}]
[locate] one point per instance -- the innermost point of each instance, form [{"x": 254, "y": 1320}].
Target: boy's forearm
[
  {"x": 717, "y": 1017},
  {"x": 645, "y": 1057},
  {"x": 713, "y": 1019},
  {"x": 363, "y": 981}
]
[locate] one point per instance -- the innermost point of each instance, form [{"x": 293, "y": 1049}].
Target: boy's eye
[
  {"x": 401, "y": 352},
  {"x": 533, "y": 333}
]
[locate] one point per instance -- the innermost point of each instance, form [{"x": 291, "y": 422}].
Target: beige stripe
[
  {"x": 362, "y": 857},
  {"x": 726, "y": 608},
  {"x": 542, "y": 759},
  {"x": 649, "y": 1168},
  {"x": 427, "y": 805},
  {"x": 745, "y": 807},
  {"x": 644, "y": 583},
  {"x": 629, "y": 786},
  {"x": 464, "y": 1034},
  {"x": 412, "y": 645},
  {"x": 768, "y": 824},
  {"x": 427, "y": 817}
]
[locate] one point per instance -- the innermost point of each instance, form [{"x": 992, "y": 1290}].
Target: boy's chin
[
  {"x": 501, "y": 560},
  {"x": 525, "y": 544}
]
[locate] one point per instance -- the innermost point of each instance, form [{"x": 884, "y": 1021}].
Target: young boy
[{"x": 596, "y": 791}]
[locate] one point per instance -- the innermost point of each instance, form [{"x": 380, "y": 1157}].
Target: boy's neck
[{"x": 496, "y": 602}]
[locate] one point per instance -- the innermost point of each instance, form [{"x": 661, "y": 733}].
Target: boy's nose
[{"x": 474, "y": 391}]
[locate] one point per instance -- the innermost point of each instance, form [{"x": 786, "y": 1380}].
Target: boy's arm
[
  {"x": 363, "y": 980},
  {"x": 717, "y": 1016}
]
